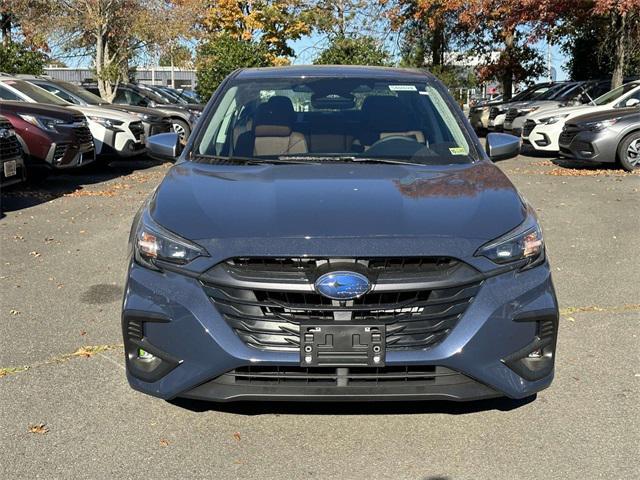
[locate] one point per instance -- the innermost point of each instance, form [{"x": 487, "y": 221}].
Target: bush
[
  {"x": 17, "y": 58},
  {"x": 222, "y": 55},
  {"x": 353, "y": 51}
]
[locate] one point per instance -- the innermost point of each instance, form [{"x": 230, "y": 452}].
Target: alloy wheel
[
  {"x": 633, "y": 153},
  {"x": 179, "y": 129}
]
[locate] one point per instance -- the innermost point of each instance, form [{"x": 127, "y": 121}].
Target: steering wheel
[{"x": 403, "y": 138}]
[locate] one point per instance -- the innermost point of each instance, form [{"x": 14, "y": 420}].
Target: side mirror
[
  {"x": 164, "y": 146},
  {"x": 632, "y": 102},
  {"x": 502, "y": 146}
]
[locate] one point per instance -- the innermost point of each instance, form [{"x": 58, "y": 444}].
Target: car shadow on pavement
[
  {"x": 587, "y": 167},
  {"x": 501, "y": 404},
  {"x": 72, "y": 182}
]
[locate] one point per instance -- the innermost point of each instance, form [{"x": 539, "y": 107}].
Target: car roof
[{"x": 299, "y": 71}]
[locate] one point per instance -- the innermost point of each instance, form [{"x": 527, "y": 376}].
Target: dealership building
[{"x": 182, "y": 78}]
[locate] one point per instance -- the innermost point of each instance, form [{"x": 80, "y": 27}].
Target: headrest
[
  {"x": 274, "y": 117},
  {"x": 385, "y": 113}
]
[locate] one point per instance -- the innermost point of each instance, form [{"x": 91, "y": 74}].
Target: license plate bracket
[
  {"x": 10, "y": 168},
  {"x": 332, "y": 344}
]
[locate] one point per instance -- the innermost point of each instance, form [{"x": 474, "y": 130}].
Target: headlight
[
  {"x": 46, "y": 123},
  {"x": 552, "y": 120},
  {"x": 111, "y": 123},
  {"x": 142, "y": 116},
  {"x": 597, "y": 126},
  {"x": 155, "y": 245},
  {"x": 524, "y": 244}
]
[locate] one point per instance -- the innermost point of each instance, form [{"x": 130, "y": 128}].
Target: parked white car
[
  {"x": 542, "y": 129},
  {"x": 114, "y": 132},
  {"x": 498, "y": 113}
]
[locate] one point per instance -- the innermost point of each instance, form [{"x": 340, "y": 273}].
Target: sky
[{"x": 306, "y": 49}]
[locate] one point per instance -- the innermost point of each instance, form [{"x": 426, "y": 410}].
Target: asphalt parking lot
[{"x": 66, "y": 410}]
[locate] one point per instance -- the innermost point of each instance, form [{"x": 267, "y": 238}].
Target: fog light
[
  {"x": 145, "y": 356},
  {"x": 535, "y": 354}
]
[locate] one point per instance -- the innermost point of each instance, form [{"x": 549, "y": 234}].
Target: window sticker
[
  {"x": 457, "y": 151},
  {"x": 403, "y": 88}
]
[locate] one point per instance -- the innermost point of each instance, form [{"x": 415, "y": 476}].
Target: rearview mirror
[
  {"x": 164, "y": 146},
  {"x": 502, "y": 146}
]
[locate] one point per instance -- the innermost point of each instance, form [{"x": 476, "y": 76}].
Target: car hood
[
  {"x": 53, "y": 111},
  {"x": 202, "y": 201},
  {"x": 606, "y": 114},
  {"x": 549, "y": 112},
  {"x": 93, "y": 111},
  {"x": 152, "y": 112}
]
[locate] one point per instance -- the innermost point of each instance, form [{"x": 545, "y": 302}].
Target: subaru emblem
[{"x": 342, "y": 285}]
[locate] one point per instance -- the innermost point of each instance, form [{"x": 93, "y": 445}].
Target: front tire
[
  {"x": 629, "y": 152},
  {"x": 182, "y": 129}
]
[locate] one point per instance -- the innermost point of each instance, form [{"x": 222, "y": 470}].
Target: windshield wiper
[
  {"x": 347, "y": 158},
  {"x": 247, "y": 160}
]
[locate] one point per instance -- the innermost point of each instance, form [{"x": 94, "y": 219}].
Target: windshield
[
  {"x": 553, "y": 91},
  {"x": 36, "y": 94},
  {"x": 616, "y": 93},
  {"x": 325, "y": 119},
  {"x": 80, "y": 92},
  {"x": 153, "y": 96},
  {"x": 186, "y": 97},
  {"x": 530, "y": 93},
  {"x": 169, "y": 95}
]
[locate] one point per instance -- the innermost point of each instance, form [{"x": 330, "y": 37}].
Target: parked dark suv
[
  {"x": 12, "y": 169},
  {"x": 337, "y": 233},
  {"x": 51, "y": 137}
]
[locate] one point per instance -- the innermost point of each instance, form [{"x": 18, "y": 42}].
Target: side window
[
  {"x": 121, "y": 97},
  {"x": 136, "y": 99},
  {"x": 58, "y": 93},
  {"x": 6, "y": 94}
]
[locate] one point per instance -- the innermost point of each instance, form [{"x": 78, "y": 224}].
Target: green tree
[
  {"x": 353, "y": 51},
  {"x": 180, "y": 54},
  {"x": 18, "y": 58},
  {"x": 223, "y": 54}
]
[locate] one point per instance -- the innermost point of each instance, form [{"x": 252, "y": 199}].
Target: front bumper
[
  {"x": 70, "y": 155},
  {"x": 545, "y": 137},
  {"x": 590, "y": 146},
  {"x": 497, "y": 124},
  {"x": 201, "y": 356},
  {"x": 117, "y": 142}
]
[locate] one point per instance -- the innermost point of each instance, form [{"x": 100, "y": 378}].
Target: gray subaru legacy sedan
[{"x": 337, "y": 233}]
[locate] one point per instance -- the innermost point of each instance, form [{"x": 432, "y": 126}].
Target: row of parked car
[
  {"x": 47, "y": 124},
  {"x": 585, "y": 121}
]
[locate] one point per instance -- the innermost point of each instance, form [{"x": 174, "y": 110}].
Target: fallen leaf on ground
[
  {"x": 40, "y": 428},
  {"x": 11, "y": 370},
  {"x": 164, "y": 442},
  {"x": 236, "y": 435},
  {"x": 34, "y": 254}
]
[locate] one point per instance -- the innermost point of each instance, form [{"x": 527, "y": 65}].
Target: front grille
[
  {"x": 83, "y": 134},
  {"x": 511, "y": 115},
  {"x": 328, "y": 376},
  {"x": 528, "y": 127},
  {"x": 264, "y": 300},
  {"x": 493, "y": 113},
  {"x": 568, "y": 134},
  {"x": 137, "y": 129},
  {"x": 9, "y": 145}
]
